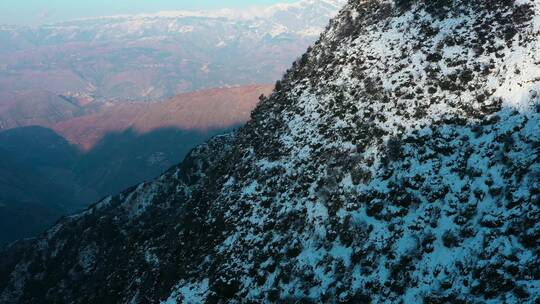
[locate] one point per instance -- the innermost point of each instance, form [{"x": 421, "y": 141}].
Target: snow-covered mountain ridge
[
  {"x": 239, "y": 14},
  {"x": 398, "y": 161},
  {"x": 295, "y": 17}
]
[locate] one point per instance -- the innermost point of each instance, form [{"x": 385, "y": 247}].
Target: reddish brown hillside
[
  {"x": 202, "y": 110},
  {"x": 86, "y": 131}
]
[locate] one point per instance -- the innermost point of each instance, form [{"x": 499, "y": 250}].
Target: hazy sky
[{"x": 32, "y": 12}]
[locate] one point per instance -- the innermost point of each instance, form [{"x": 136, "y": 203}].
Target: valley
[{"x": 60, "y": 167}]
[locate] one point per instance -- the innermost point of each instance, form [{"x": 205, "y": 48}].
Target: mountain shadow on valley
[{"x": 43, "y": 176}]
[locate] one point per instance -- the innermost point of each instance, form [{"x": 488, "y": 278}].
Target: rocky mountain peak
[{"x": 396, "y": 161}]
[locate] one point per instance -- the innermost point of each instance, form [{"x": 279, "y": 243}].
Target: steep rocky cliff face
[{"x": 397, "y": 161}]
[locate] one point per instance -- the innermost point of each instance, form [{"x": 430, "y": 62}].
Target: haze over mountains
[{"x": 148, "y": 57}]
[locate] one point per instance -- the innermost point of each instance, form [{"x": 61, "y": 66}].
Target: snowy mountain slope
[{"x": 398, "y": 161}]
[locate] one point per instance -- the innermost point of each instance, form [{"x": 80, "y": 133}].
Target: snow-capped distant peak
[
  {"x": 235, "y": 14},
  {"x": 305, "y": 18}
]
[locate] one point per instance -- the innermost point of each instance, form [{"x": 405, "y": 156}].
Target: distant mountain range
[{"x": 154, "y": 56}]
